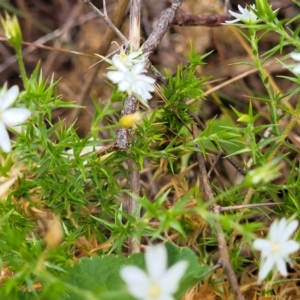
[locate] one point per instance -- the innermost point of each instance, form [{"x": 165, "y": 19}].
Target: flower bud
[
  {"x": 244, "y": 118},
  {"x": 105, "y": 156},
  {"x": 12, "y": 30},
  {"x": 129, "y": 120}
]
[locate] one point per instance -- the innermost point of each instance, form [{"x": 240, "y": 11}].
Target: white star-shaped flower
[
  {"x": 296, "y": 56},
  {"x": 159, "y": 283},
  {"x": 275, "y": 250},
  {"x": 10, "y": 117},
  {"x": 133, "y": 81},
  {"x": 246, "y": 16}
]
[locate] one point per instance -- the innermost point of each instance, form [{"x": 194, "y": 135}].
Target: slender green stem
[
  {"x": 265, "y": 78},
  {"x": 21, "y": 66}
]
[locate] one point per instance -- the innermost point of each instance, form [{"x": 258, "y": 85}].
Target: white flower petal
[
  {"x": 232, "y": 21},
  {"x": 273, "y": 230},
  {"x": 266, "y": 267},
  {"x": 236, "y": 15},
  {"x": 290, "y": 228},
  {"x": 144, "y": 95},
  {"x": 261, "y": 244},
  {"x": 8, "y": 98},
  {"x": 4, "y": 139},
  {"x": 146, "y": 84},
  {"x": 15, "y": 116},
  {"x": 246, "y": 15},
  {"x": 137, "y": 281},
  {"x": 282, "y": 230},
  {"x": 10, "y": 116},
  {"x": 289, "y": 247},
  {"x": 295, "y": 55},
  {"x": 249, "y": 13},
  {"x": 281, "y": 266},
  {"x": 118, "y": 64},
  {"x": 277, "y": 229},
  {"x": 172, "y": 277},
  {"x": 146, "y": 79},
  {"x": 125, "y": 86},
  {"x": 138, "y": 69},
  {"x": 241, "y": 9},
  {"x": 156, "y": 260},
  {"x": 142, "y": 92},
  {"x": 115, "y": 76},
  {"x": 140, "y": 87},
  {"x": 296, "y": 69},
  {"x": 162, "y": 297}
]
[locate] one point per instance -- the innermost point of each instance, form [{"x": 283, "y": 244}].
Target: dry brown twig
[
  {"x": 134, "y": 38},
  {"x": 247, "y": 206},
  {"x": 208, "y": 196},
  {"x": 107, "y": 20},
  {"x": 184, "y": 19},
  {"x": 163, "y": 24}
]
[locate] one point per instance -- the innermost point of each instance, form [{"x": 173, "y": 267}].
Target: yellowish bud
[
  {"x": 105, "y": 156},
  {"x": 244, "y": 118},
  {"x": 129, "y": 120},
  {"x": 12, "y": 30}
]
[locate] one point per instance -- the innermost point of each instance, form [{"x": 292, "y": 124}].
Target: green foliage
[{"x": 89, "y": 193}]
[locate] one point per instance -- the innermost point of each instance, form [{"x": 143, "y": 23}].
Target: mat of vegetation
[{"x": 149, "y": 149}]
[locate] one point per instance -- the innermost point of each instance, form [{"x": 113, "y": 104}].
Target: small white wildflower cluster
[
  {"x": 159, "y": 283},
  {"x": 246, "y": 15},
  {"x": 129, "y": 74},
  {"x": 275, "y": 250},
  {"x": 10, "y": 117}
]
